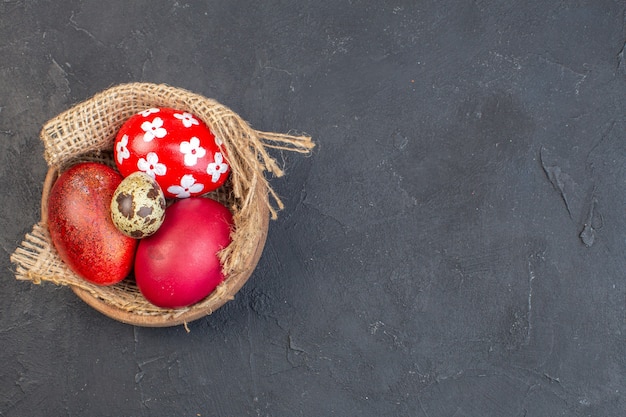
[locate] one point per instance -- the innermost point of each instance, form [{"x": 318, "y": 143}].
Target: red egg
[
  {"x": 175, "y": 148},
  {"x": 178, "y": 265},
  {"x": 81, "y": 228}
]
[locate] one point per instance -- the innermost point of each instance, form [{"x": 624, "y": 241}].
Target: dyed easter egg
[
  {"x": 175, "y": 148},
  {"x": 81, "y": 228},
  {"x": 179, "y": 264}
]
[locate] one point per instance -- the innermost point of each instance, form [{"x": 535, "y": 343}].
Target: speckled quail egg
[{"x": 138, "y": 206}]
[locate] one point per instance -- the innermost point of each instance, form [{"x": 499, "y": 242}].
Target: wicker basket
[{"x": 87, "y": 131}]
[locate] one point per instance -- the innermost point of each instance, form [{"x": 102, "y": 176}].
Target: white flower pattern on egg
[
  {"x": 186, "y": 118},
  {"x": 151, "y": 165},
  {"x": 148, "y": 112},
  {"x": 122, "y": 149},
  {"x": 192, "y": 151},
  {"x": 153, "y": 129},
  {"x": 217, "y": 168},
  {"x": 188, "y": 185}
]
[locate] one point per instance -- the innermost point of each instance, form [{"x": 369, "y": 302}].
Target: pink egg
[
  {"x": 175, "y": 148},
  {"x": 178, "y": 265}
]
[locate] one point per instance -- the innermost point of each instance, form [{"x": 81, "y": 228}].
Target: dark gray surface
[{"x": 429, "y": 261}]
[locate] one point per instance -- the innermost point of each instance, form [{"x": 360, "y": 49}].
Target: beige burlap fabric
[{"x": 87, "y": 132}]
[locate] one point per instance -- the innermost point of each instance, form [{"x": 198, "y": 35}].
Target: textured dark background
[{"x": 455, "y": 246}]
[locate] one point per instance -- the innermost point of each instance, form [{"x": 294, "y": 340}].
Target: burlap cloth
[{"x": 87, "y": 132}]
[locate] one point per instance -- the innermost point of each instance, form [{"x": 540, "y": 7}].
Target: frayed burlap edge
[{"x": 87, "y": 131}]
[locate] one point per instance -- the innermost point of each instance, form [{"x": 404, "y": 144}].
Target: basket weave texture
[{"x": 87, "y": 132}]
